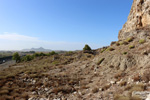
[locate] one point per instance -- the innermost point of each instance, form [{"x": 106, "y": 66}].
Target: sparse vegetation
[
  {"x": 123, "y": 43},
  {"x": 141, "y": 41},
  {"x": 131, "y": 46},
  {"x": 146, "y": 76},
  {"x": 112, "y": 43},
  {"x": 111, "y": 66},
  {"x": 27, "y": 58},
  {"x": 137, "y": 78},
  {"x": 125, "y": 53},
  {"x": 69, "y": 53},
  {"x": 95, "y": 90},
  {"x": 16, "y": 57},
  {"x": 110, "y": 49},
  {"x": 100, "y": 61},
  {"x": 137, "y": 87},
  {"x": 130, "y": 39},
  {"x": 123, "y": 83},
  {"x": 117, "y": 44},
  {"x": 120, "y": 97},
  {"x": 119, "y": 75},
  {"x": 105, "y": 87},
  {"x": 52, "y": 53},
  {"x": 103, "y": 50}
]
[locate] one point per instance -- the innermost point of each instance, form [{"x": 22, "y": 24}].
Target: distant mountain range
[{"x": 41, "y": 49}]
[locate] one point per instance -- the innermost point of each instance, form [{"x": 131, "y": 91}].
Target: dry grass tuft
[{"x": 95, "y": 90}]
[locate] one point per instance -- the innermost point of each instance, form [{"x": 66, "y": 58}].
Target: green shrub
[
  {"x": 110, "y": 49},
  {"x": 69, "y": 53},
  {"x": 117, "y": 44},
  {"x": 100, "y": 61},
  {"x": 103, "y": 50},
  {"x": 125, "y": 53},
  {"x": 131, "y": 46},
  {"x": 42, "y": 54},
  {"x": 130, "y": 39},
  {"x": 141, "y": 41},
  {"x": 112, "y": 43},
  {"x": 87, "y": 47},
  {"x": 16, "y": 57},
  {"x": 123, "y": 43},
  {"x": 55, "y": 63},
  {"x": 27, "y": 58},
  {"x": 36, "y": 55},
  {"x": 53, "y": 53}
]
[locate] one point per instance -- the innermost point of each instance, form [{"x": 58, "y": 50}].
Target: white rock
[
  {"x": 30, "y": 98},
  {"x": 42, "y": 99},
  {"x": 148, "y": 97},
  {"x": 57, "y": 99},
  {"x": 34, "y": 81},
  {"x": 112, "y": 82},
  {"x": 46, "y": 89},
  {"x": 33, "y": 92}
]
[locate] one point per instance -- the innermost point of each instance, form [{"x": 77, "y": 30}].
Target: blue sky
[{"x": 61, "y": 24}]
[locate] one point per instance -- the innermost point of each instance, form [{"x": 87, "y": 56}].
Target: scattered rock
[{"x": 141, "y": 94}]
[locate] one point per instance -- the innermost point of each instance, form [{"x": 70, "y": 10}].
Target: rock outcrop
[{"x": 138, "y": 20}]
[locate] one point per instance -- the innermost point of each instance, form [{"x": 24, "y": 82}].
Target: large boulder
[{"x": 138, "y": 19}]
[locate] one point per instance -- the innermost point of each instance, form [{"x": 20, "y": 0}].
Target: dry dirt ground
[
  {"x": 114, "y": 73},
  {"x": 6, "y": 64}
]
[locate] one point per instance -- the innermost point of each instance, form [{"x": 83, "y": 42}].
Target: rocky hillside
[{"x": 120, "y": 71}]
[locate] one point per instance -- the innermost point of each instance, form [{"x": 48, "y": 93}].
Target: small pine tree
[
  {"x": 87, "y": 47},
  {"x": 16, "y": 57},
  {"x": 52, "y": 53}
]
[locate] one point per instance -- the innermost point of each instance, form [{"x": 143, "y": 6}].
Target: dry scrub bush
[
  {"x": 130, "y": 39},
  {"x": 110, "y": 49},
  {"x": 123, "y": 83},
  {"x": 106, "y": 87},
  {"x": 137, "y": 78},
  {"x": 63, "y": 89},
  {"x": 137, "y": 87},
  {"x": 100, "y": 61},
  {"x": 131, "y": 46},
  {"x": 117, "y": 44},
  {"x": 146, "y": 76},
  {"x": 120, "y": 75},
  {"x": 95, "y": 90},
  {"x": 141, "y": 41}
]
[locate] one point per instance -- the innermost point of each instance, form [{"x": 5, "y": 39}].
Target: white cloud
[
  {"x": 17, "y": 37},
  {"x": 14, "y": 41}
]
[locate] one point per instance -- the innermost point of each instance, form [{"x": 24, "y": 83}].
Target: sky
[{"x": 61, "y": 24}]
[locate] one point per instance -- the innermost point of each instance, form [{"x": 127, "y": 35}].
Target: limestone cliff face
[{"x": 138, "y": 19}]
